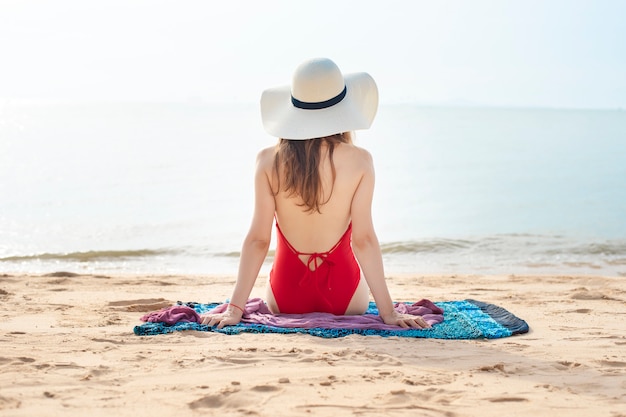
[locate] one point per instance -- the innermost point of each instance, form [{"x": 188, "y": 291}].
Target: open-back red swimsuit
[{"x": 300, "y": 287}]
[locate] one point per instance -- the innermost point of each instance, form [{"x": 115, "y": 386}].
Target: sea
[{"x": 167, "y": 188}]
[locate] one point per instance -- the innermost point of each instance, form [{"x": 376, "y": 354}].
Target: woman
[{"x": 318, "y": 187}]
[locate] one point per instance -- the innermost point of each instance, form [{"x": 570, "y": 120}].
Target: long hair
[{"x": 296, "y": 169}]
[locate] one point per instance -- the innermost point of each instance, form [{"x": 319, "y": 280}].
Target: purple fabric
[
  {"x": 172, "y": 315},
  {"x": 257, "y": 312}
]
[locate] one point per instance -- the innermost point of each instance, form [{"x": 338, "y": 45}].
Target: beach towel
[{"x": 465, "y": 319}]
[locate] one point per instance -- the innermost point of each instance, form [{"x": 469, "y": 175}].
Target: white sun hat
[{"x": 321, "y": 101}]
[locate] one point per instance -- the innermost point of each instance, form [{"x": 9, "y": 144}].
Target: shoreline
[{"x": 68, "y": 348}]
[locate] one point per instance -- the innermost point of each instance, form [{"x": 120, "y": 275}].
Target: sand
[{"x": 67, "y": 349}]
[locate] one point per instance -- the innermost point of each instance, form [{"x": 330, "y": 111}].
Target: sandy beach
[{"x": 68, "y": 349}]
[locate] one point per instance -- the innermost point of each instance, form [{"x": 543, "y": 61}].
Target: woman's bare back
[{"x": 311, "y": 231}]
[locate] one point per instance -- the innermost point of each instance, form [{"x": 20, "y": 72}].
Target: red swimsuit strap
[{"x": 314, "y": 256}]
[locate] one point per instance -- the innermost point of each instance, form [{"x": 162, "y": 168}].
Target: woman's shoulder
[
  {"x": 357, "y": 155},
  {"x": 265, "y": 157}
]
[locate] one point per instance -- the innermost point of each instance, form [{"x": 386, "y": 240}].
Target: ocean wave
[
  {"x": 514, "y": 245},
  {"x": 88, "y": 256},
  {"x": 429, "y": 246},
  {"x": 594, "y": 248}
]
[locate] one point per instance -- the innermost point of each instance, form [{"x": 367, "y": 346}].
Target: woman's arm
[
  {"x": 255, "y": 245},
  {"x": 367, "y": 249}
]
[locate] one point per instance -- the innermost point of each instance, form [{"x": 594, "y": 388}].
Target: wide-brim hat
[{"x": 321, "y": 101}]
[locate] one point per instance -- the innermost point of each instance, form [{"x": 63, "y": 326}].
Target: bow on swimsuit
[{"x": 325, "y": 283}]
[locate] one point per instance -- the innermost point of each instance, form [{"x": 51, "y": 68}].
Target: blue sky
[{"x": 568, "y": 54}]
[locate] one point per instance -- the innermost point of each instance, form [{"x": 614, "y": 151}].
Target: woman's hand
[
  {"x": 405, "y": 320},
  {"x": 227, "y": 318}
]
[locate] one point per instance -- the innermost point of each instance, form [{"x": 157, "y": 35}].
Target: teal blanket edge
[{"x": 464, "y": 319}]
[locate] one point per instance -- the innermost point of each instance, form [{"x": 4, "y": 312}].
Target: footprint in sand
[
  {"x": 210, "y": 401},
  {"x": 265, "y": 388},
  {"x": 507, "y": 399},
  {"x": 112, "y": 341},
  {"x": 9, "y": 403},
  {"x": 498, "y": 367},
  {"x": 581, "y": 311},
  {"x": 236, "y": 397},
  {"x": 612, "y": 364},
  {"x": 432, "y": 379},
  {"x": 566, "y": 365},
  {"x": 95, "y": 372},
  {"x": 349, "y": 355},
  {"x": 583, "y": 293}
]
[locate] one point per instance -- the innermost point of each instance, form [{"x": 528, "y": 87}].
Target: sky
[{"x": 532, "y": 53}]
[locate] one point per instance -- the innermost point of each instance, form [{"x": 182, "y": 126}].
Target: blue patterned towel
[{"x": 466, "y": 319}]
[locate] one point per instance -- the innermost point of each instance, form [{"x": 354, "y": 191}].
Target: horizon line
[{"x": 4, "y": 101}]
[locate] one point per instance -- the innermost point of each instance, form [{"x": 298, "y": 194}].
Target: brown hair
[{"x": 298, "y": 162}]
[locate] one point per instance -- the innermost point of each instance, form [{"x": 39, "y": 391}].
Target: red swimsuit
[{"x": 328, "y": 288}]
